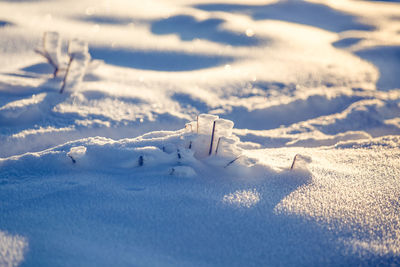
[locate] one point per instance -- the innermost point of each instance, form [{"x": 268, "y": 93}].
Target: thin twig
[
  {"x": 46, "y": 55},
  {"x": 73, "y": 160},
  {"x": 232, "y": 161},
  {"x": 212, "y": 139},
  {"x": 294, "y": 161},
  {"x": 71, "y": 58}
]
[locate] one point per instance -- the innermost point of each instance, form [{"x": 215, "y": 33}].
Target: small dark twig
[
  {"x": 73, "y": 160},
  {"x": 46, "y": 55},
  {"x": 232, "y": 161},
  {"x": 212, "y": 139},
  {"x": 294, "y": 161}
]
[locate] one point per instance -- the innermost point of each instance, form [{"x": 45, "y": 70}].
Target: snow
[
  {"x": 11, "y": 249},
  {"x": 199, "y": 133}
]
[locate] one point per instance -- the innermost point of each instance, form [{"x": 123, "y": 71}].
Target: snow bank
[{"x": 183, "y": 152}]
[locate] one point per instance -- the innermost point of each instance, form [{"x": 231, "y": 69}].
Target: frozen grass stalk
[
  {"x": 79, "y": 58},
  {"x": 64, "y": 82},
  {"x": 216, "y": 149},
  {"x": 51, "y": 50},
  {"x": 197, "y": 124}
]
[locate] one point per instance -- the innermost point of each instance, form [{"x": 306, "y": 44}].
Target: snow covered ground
[{"x": 120, "y": 170}]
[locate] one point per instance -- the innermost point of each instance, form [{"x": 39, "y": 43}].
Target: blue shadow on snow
[
  {"x": 346, "y": 42},
  {"x": 301, "y": 12},
  {"x": 39, "y": 68},
  {"x": 106, "y": 20},
  {"x": 157, "y": 60},
  {"x": 188, "y": 29},
  {"x": 387, "y": 60},
  {"x": 4, "y": 23}
]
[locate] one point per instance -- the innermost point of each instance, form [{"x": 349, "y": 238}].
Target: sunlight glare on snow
[
  {"x": 12, "y": 249},
  {"x": 349, "y": 192},
  {"x": 242, "y": 198},
  {"x": 250, "y": 32}
]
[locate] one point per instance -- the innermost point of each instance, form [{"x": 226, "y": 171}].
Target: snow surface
[{"x": 173, "y": 141}]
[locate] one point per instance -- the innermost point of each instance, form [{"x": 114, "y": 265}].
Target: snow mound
[{"x": 208, "y": 141}]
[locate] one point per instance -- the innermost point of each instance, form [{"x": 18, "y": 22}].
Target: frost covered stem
[
  {"x": 64, "y": 82},
  {"x": 46, "y": 55},
  {"x": 197, "y": 125},
  {"x": 294, "y": 161},
  {"x": 216, "y": 150},
  {"x": 212, "y": 139}
]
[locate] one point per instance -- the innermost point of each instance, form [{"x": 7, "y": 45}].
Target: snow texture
[
  {"x": 199, "y": 133},
  {"x": 12, "y": 249}
]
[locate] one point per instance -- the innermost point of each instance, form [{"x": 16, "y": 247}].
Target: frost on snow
[
  {"x": 11, "y": 249},
  {"x": 245, "y": 198},
  {"x": 300, "y": 161},
  {"x": 184, "y": 171},
  {"x": 212, "y": 136}
]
